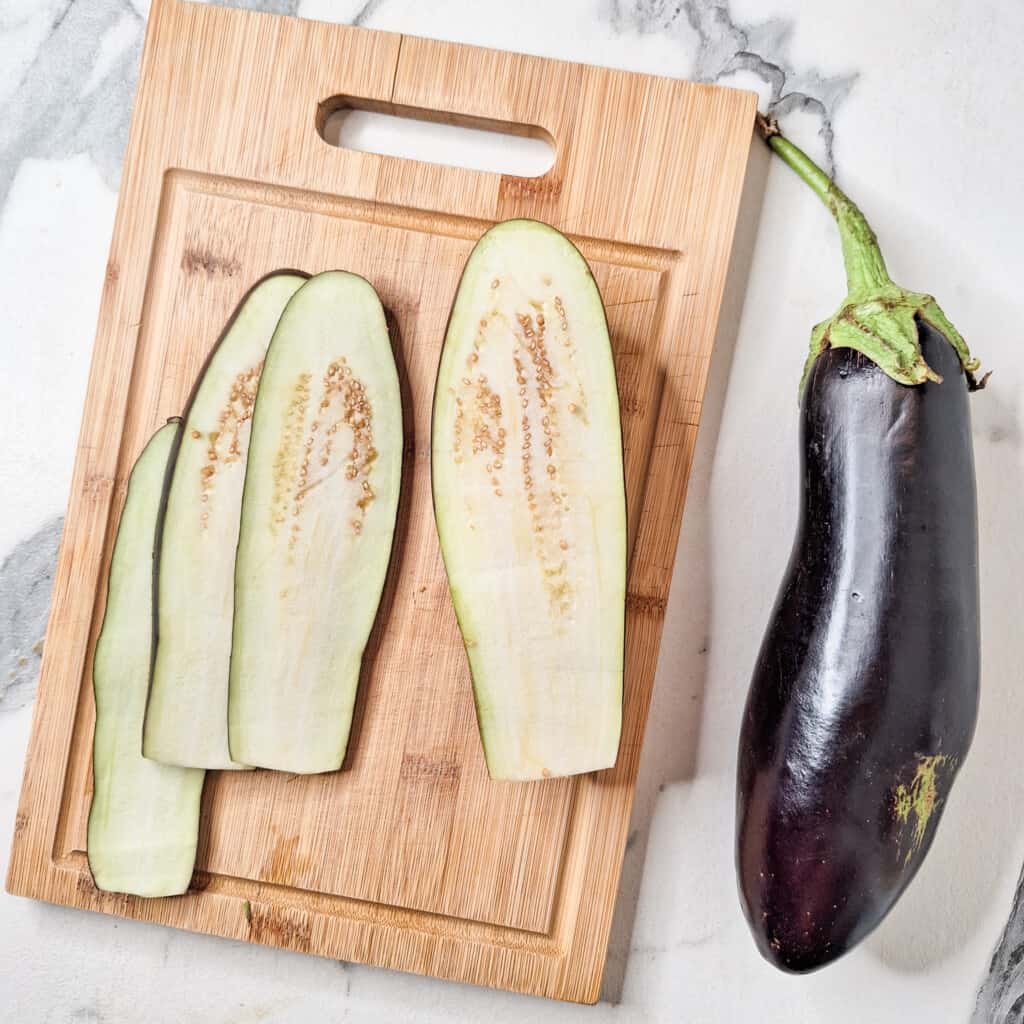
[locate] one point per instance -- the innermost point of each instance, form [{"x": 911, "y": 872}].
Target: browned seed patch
[{"x": 230, "y": 441}]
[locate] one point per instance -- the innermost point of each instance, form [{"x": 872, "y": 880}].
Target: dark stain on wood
[
  {"x": 547, "y": 187},
  {"x": 196, "y": 261},
  {"x": 113, "y": 902},
  {"x": 200, "y": 881},
  {"x": 281, "y": 926},
  {"x": 630, "y": 405},
  {"x": 651, "y": 605},
  {"x": 424, "y": 767},
  {"x": 98, "y": 485},
  {"x": 286, "y": 863}
]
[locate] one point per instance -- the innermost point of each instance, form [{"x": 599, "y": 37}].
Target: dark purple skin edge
[{"x": 870, "y": 661}]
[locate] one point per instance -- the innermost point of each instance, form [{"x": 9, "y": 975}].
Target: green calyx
[
  {"x": 877, "y": 318},
  {"x": 882, "y": 324}
]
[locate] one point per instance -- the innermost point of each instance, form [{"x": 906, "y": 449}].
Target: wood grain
[{"x": 409, "y": 857}]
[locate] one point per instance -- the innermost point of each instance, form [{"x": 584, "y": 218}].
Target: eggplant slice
[
  {"x": 318, "y": 518},
  {"x": 144, "y": 819},
  {"x": 186, "y": 721},
  {"x": 529, "y": 499}
]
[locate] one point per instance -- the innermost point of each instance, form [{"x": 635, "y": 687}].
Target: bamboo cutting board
[{"x": 410, "y": 857}]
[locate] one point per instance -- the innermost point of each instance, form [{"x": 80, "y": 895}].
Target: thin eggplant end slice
[{"x": 144, "y": 817}]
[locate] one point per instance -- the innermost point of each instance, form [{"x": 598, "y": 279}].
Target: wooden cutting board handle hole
[{"x": 436, "y": 136}]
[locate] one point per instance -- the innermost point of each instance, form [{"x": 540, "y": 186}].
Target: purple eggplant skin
[{"x": 865, "y": 694}]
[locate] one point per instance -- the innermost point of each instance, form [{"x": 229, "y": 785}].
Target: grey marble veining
[
  {"x": 366, "y": 12},
  {"x": 26, "y": 579},
  {"x": 1001, "y": 999},
  {"x": 269, "y": 6},
  {"x": 725, "y": 46},
  {"x": 51, "y": 113}
]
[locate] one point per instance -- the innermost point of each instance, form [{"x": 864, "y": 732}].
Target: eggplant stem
[
  {"x": 878, "y": 318},
  {"x": 865, "y": 267}
]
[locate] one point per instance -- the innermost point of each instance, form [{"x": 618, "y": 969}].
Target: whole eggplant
[{"x": 865, "y": 694}]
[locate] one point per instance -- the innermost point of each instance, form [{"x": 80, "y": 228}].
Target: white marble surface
[{"x": 920, "y": 105}]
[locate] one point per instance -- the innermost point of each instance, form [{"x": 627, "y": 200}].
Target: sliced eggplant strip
[
  {"x": 529, "y": 499},
  {"x": 186, "y": 722},
  {"x": 144, "y": 819},
  {"x": 318, "y": 518}
]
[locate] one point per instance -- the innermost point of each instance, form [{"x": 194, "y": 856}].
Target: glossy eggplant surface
[{"x": 865, "y": 694}]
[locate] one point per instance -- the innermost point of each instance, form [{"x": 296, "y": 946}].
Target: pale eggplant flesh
[
  {"x": 529, "y": 500},
  {"x": 186, "y": 722},
  {"x": 144, "y": 817},
  {"x": 318, "y": 519}
]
